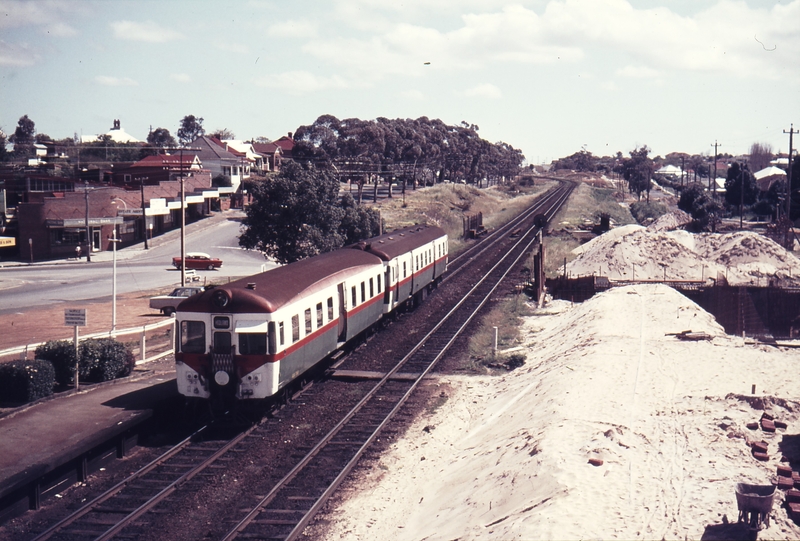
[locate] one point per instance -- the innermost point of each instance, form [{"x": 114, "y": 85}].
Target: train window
[
  {"x": 280, "y": 333},
  {"x": 371, "y": 289},
  {"x": 253, "y": 343},
  {"x": 222, "y": 322},
  {"x": 330, "y": 308},
  {"x": 319, "y": 315},
  {"x": 378, "y": 279},
  {"x": 353, "y": 291},
  {"x": 363, "y": 292},
  {"x": 307, "y": 314},
  {"x": 272, "y": 339},
  {"x": 295, "y": 328},
  {"x": 193, "y": 337},
  {"x": 404, "y": 270}
]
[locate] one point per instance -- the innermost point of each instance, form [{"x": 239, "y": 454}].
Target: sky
[{"x": 549, "y": 77}]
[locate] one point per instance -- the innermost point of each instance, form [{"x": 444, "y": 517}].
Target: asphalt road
[{"x": 138, "y": 270}]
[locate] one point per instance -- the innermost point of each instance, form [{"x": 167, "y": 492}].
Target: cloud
[
  {"x": 17, "y": 55},
  {"x": 638, "y": 72},
  {"x": 107, "y": 80},
  {"x": 148, "y": 31},
  {"x": 485, "y": 90},
  {"x": 181, "y": 77},
  {"x": 293, "y": 29},
  {"x": 47, "y": 16},
  {"x": 302, "y": 82}
]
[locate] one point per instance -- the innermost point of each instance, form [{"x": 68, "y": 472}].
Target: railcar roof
[
  {"x": 390, "y": 245},
  {"x": 270, "y": 290}
]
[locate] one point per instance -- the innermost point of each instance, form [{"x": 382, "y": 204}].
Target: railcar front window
[
  {"x": 253, "y": 343},
  {"x": 193, "y": 337}
]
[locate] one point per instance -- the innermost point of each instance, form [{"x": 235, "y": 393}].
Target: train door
[
  {"x": 387, "y": 286},
  {"x": 340, "y": 290}
]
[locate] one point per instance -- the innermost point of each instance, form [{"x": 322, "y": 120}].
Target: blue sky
[{"x": 549, "y": 77}]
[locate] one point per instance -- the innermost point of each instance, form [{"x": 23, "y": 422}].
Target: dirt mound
[{"x": 636, "y": 253}]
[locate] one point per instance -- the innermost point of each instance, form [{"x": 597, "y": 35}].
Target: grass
[
  {"x": 445, "y": 205},
  {"x": 507, "y": 316}
]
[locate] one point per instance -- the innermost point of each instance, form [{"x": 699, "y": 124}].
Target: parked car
[
  {"x": 198, "y": 260},
  {"x": 168, "y": 304}
]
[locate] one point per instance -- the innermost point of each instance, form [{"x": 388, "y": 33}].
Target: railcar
[{"x": 250, "y": 338}]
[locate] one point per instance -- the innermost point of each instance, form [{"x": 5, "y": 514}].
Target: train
[{"x": 249, "y": 339}]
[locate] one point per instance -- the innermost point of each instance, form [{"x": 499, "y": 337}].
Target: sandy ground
[{"x": 507, "y": 457}]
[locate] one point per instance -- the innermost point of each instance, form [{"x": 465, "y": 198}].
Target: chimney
[{"x": 290, "y": 135}]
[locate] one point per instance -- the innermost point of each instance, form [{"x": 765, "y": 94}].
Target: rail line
[{"x": 292, "y": 503}]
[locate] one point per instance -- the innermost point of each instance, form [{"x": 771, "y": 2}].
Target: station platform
[{"x": 52, "y": 443}]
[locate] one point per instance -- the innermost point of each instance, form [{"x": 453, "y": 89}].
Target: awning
[{"x": 252, "y": 327}]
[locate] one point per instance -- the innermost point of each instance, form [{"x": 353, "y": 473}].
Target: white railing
[{"x": 22, "y": 351}]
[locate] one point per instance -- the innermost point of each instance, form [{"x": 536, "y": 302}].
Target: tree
[
  {"x": 222, "y": 134},
  {"x": 737, "y": 177},
  {"x": 298, "y": 213},
  {"x": 638, "y": 170},
  {"x": 191, "y": 128},
  {"x": 760, "y": 156},
  {"x": 3, "y": 152},
  {"x": 161, "y": 138},
  {"x": 23, "y": 137},
  {"x": 704, "y": 209}
]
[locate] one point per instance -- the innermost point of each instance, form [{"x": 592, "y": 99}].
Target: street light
[{"x": 114, "y": 240}]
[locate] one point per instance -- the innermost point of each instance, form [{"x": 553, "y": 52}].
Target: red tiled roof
[
  {"x": 286, "y": 143},
  {"x": 165, "y": 160}
]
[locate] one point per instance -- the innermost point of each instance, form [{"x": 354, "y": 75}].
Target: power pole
[
  {"x": 791, "y": 132},
  {"x": 714, "y": 180}
]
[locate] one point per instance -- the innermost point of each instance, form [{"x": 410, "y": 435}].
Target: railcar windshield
[
  {"x": 193, "y": 336},
  {"x": 253, "y": 343}
]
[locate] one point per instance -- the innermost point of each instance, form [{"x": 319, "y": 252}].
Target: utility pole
[
  {"x": 144, "y": 214},
  {"x": 791, "y": 132},
  {"x": 86, "y": 221},
  {"x": 714, "y": 180}
]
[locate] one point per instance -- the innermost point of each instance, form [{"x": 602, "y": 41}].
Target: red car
[{"x": 198, "y": 260}]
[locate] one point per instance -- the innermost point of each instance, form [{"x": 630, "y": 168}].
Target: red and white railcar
[{"x": 249, "y": 338}]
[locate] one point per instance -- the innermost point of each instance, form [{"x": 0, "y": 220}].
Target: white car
[{"x": 168, "y": 304}]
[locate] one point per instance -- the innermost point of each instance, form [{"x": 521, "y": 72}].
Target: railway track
[{"x": 291, "y": 504}]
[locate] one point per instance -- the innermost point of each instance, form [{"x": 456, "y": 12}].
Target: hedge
[
  {"x": 101, "y": 359},
  {"x": 26, "y": 381}
]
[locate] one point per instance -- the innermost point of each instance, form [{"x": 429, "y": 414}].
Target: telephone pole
[
  {"x": 714, "y": 180},
  {"x": 791, "y": 132}
]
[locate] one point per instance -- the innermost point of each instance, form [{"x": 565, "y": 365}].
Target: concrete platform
[{"x": 38, "y": 440}]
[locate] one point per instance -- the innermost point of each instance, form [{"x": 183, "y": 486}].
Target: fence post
[{"x": 143, "y": 343}]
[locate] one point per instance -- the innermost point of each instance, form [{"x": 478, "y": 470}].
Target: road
[{"x": 138, "y": 270}]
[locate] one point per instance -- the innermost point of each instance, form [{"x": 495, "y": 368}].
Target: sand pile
[
  {"x": 634, "y": 252},
  {"x": 507, "y": 457}
]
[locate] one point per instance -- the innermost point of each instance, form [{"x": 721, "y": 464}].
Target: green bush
[
  {"x": 101, "y": 359},
  {"x": 645, "y": 212},
  {"x": 104, "y": 359},
  {"x": 61, "y": 353},
  {"x": 26, "y": 381}
]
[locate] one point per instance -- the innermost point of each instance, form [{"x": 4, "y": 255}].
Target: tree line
[{"x": 419, "y": 151}]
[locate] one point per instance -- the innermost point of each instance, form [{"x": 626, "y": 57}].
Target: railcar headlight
[
  {"x": 222, "y": 378},
  {"x": 220, "y": 299}
]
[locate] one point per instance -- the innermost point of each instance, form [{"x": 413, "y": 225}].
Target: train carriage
[
  {"x": 252, "y": 336},
  {"x": 415, "y": 258}
]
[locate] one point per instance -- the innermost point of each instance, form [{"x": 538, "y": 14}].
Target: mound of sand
[
  {"x": 507, "y": 457},
  {"x": 637, "y": 253}
]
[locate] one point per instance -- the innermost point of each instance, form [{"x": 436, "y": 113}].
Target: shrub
[
  {"x": 104, "y": 359},
  {"x": 26, "y": 381},
  {"x": 645, "y": 212},
  {"x": 61, "y": 353}
]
